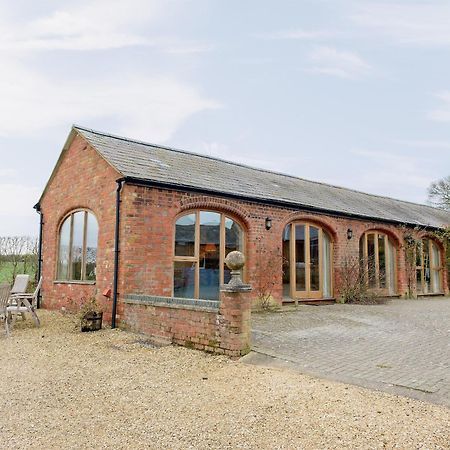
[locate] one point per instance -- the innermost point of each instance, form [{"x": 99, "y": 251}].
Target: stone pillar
[{"x": 235, "y": 309}]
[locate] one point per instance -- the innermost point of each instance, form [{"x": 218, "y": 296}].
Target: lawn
[
  {"x": 64, "y": 389},
  {"x": 6, "y": 271}
]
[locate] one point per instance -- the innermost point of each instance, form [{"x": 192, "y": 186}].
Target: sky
[{"x": 351, "y": 93}]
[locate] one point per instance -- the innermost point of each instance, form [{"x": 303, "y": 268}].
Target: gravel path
[{"x": 63, "y": 389}]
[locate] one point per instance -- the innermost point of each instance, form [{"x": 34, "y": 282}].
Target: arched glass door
[
  {"x": 378, "y": 258},
  {"x": 306, "y": 262},
  {"x": 428, "y": 267}
]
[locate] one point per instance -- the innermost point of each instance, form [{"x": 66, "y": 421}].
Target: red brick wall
[
  {"x": 148, "y": 218},
  {"x": 83, "y": 180},
  {"x": 224, "y": 331}
]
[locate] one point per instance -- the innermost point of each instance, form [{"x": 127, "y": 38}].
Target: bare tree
[
  {"x": 439, "y": 193},
  {"x": 20, "y": 254},
  {"x": 353, "y": 280},
  {"x": 267, "y": 271}
]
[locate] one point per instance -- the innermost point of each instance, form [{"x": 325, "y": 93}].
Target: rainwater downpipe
[
  {"x": 37, "y": 207},
  {"x": 120, "y": 184}
]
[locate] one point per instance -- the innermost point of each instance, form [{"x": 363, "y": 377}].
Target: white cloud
[
  {"x": 297, "y": 34},
  {"x": 385, "y": 167},
  {"x": 442, "y": 114},
  {"x": 425, "y": 23},
  {"x": 7, "y": 172},
  {"x": 143, "y": 106},
  {"x": 342, "y": 64},
  {"x": 16, "y": 209},
  {"x": 94, "y": 25},
  {"x": 428, "y": 144}
]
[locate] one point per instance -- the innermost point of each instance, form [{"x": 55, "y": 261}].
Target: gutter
[
  {"x": 279, "y": 203},
  {"x": 120, "y": 182},
  {"x": 37, "y": 207}
]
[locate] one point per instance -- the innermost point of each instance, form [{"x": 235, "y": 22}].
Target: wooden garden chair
[
  {"x": 4, "y": 299},
  {"x": 22, "y": 303}
]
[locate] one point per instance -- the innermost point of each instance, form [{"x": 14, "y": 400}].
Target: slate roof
[{"x": 168, "y": 166}]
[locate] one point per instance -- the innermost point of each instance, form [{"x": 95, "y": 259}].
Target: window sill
[{"x": 74, "y": 282}]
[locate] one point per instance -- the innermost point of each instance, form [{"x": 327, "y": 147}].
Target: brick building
[{"x": 150, "y": 223}]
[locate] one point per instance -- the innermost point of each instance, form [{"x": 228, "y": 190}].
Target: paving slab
[{"x": 402, "y": 347}]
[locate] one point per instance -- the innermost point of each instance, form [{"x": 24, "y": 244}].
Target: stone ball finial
[{"x": 235, "y": 260}]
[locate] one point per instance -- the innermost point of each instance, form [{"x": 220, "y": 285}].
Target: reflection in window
[
  {"x": 428, "y": 267},
  {"x": 307, "y": 252},
  {"x": 77, "y": 256},
  {"x": 378, "y": 260},
  {"x": 202, "y": 241}
]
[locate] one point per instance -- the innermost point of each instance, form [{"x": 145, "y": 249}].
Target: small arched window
[
  {"x": 202, "y": 241},
  {"x": 77, "y": 250}
]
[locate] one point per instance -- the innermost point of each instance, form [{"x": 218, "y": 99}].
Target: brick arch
[
  {"x": 326, "y": 223},
  {"x": 216, "y": 204},
  {"x": 68, "y": 211},
  {"x": 393, "y": 234},
  {"x": 427, "y": 235}
]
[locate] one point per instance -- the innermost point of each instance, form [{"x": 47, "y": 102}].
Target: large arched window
[
  {"x": 77, "y": 250},
  {"x": 202, "y": 241},
  {"x": 378, "y": 258},
  {"x": 307, "y": 258},
  {"x": 428, "y": 267}
]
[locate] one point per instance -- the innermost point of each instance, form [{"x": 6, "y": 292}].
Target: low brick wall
[{"x": 217, "y": 327}]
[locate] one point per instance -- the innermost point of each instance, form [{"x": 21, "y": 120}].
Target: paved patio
[{"x": 402, "y": 347}]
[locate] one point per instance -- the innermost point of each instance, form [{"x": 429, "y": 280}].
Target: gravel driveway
[
  {"x": 65, "y": 390},
  {"x": 402, "y": 346}
]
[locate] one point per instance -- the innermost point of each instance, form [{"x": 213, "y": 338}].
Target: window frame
[
  {"x": 70, "y": 216},
  {"x": 434, "y": 270},
  {"x": 308, "y": 294},
  {"x": 196, "y": 258},
  {"x": 387, "y": 255}
]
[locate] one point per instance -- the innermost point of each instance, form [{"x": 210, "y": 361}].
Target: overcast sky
[{"x": 353, "y": 93}]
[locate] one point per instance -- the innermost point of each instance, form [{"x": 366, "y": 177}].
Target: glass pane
[
  {"x": 209, "y": 257},
  {"x": 371, "y": 260},
  {"x": 381, "y": 261},
  {"x": 64, "y": 247},
  {"x": 392, "y": 265},
  {"x": 435, "y": 268},
  {"x": 300, "y": 267},
  {"x": 326, "y": 264},
  {"x": 419, "y": 254},
  {"x": 419, "y": 280},
  {"x": 185, "y": 236},
  {"x": 286, "y": 262},
  {"x": 234, "y": 240},
  {"x": 426, "y": 266},
  {"x": 314, "y": 258},
  {"x": 91, "y": 246},
  {"x": 77, "y": 244},
  {"x": 184, "y": 279}
]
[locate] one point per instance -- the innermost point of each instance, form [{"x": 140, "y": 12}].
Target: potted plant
[{"x": 90, "y": 315}]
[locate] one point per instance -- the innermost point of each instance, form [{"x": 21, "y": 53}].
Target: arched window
[
  {"x": 77, "y": 250},
  {"x": 378, "y": 258},
  {"x": 306, "y": 261},
  {"x": 428, "y": 267},
  {"x": 202, "y": 241}
]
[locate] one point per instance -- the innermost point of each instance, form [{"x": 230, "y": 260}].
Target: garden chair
[
  {"x": 20, "y": 284},
  {"x": 4, "y": 298},
  {"x": 22, "y": 303}
]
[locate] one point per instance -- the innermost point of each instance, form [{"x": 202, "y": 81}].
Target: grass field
[{"x": 6, "y": 271}]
